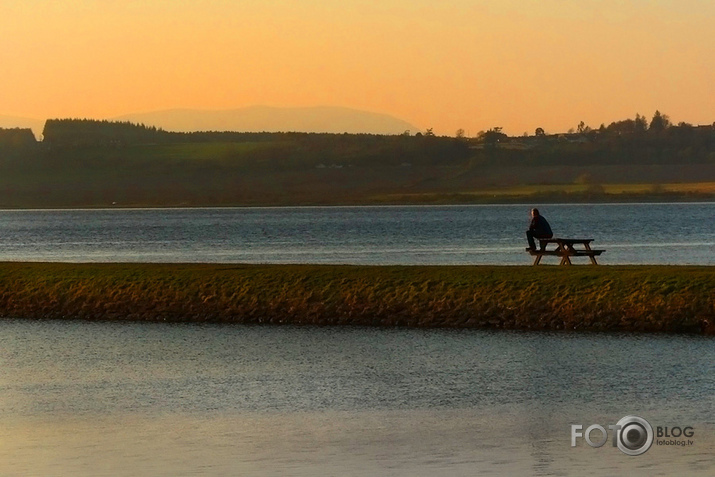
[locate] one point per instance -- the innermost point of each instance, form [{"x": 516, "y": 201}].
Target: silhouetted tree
[
  {"x": 493, "y": 136},
  {"x": 582, "y": 128},
  {"x": 89, "y": 132},
  {"x": 627, "y": 126},
  {"x": 640, "y": 124},
  {"x": 660, "y": 122}
]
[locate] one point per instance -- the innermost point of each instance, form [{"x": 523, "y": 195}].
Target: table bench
[{"x": 565, "y": 249}]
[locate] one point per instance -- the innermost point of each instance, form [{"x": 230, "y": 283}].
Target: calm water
[
  {"x": 103, "y": 399},
  {"x": 493, "y": 234}
]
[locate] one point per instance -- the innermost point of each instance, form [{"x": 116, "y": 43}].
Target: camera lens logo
[{"x": 634, "y": 435}]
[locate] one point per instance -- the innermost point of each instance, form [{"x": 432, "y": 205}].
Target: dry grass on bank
[{"x": 628, "y": 298}]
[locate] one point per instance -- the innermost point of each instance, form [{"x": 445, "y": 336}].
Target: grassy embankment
[{"x": 605, "y": 298}]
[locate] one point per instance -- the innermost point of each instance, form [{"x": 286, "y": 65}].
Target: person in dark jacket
[{"x": 539, "y": 228}]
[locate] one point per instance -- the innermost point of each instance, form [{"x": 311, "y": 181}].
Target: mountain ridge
[
  {"x": 325, "y": 119},
  {"x": 319, "y": 119}
]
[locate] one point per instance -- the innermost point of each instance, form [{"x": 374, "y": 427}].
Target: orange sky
[{"x": 471, "y": 64}]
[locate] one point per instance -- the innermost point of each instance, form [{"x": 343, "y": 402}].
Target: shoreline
[
  {"x": 633, "y": 298},
  {"x": 518, "y": 201}
]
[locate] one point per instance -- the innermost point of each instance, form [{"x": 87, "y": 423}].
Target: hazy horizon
[
  {"x": 262, "y": 118},
  {"x": 468, "y": 64},
  {"x": 256, "y": 118}
]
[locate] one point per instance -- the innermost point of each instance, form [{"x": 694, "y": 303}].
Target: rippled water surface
[
  {"x": 493, "y": 234},
  {"x": 105, "y": 399}
]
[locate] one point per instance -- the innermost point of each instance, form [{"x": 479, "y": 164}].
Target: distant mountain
[
  {"x": 270, "y": 119},
  {"x": 9, "y": 122}
]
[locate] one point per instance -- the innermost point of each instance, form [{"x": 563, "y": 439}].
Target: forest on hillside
[
  {"x": 627, "y": 141},
  {"x": 84, "y": 162}
]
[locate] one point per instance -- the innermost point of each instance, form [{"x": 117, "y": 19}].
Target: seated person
[{"x": 539, "y": 228}]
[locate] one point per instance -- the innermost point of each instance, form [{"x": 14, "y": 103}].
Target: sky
[{"x": 446, "y": 65}]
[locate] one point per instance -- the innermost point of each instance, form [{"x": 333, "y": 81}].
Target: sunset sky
[{"x": 471, "y": 64}]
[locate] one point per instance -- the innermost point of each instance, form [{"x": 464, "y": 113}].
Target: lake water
[
  {"x": 681, "y": 233},
  {"x": 110, "y": 399}
]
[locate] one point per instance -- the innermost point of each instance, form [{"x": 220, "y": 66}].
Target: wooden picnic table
[{"x": 565, "y": 249}]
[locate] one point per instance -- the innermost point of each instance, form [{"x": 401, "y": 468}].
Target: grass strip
[{"x": 676, "y": 299}]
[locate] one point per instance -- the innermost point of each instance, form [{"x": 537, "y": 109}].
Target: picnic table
[{"x": 565, "y": 249}]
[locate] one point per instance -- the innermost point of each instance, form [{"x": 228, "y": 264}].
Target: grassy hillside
[
  {"x": 100, "y": 164},
  {"x": 249, "y": 174}
]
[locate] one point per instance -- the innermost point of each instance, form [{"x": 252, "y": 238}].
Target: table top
[{"x": 565, "y": 240}]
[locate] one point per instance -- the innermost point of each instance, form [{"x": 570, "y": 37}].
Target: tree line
[
  {"x": 636, "y": 141},
  {"x": 17, "y": 138},
  {"x": 628, "y": 141}
]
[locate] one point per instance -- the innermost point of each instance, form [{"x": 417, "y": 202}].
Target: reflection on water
[
  {"x": 487, "y": 234},
  {"x": 154, "y": 399}
]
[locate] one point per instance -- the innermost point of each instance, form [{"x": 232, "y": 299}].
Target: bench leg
[
  {"x": 537, "y": 260},
  {"x": 593, "y": 260},
  {"x": 565, "y": 260}
]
